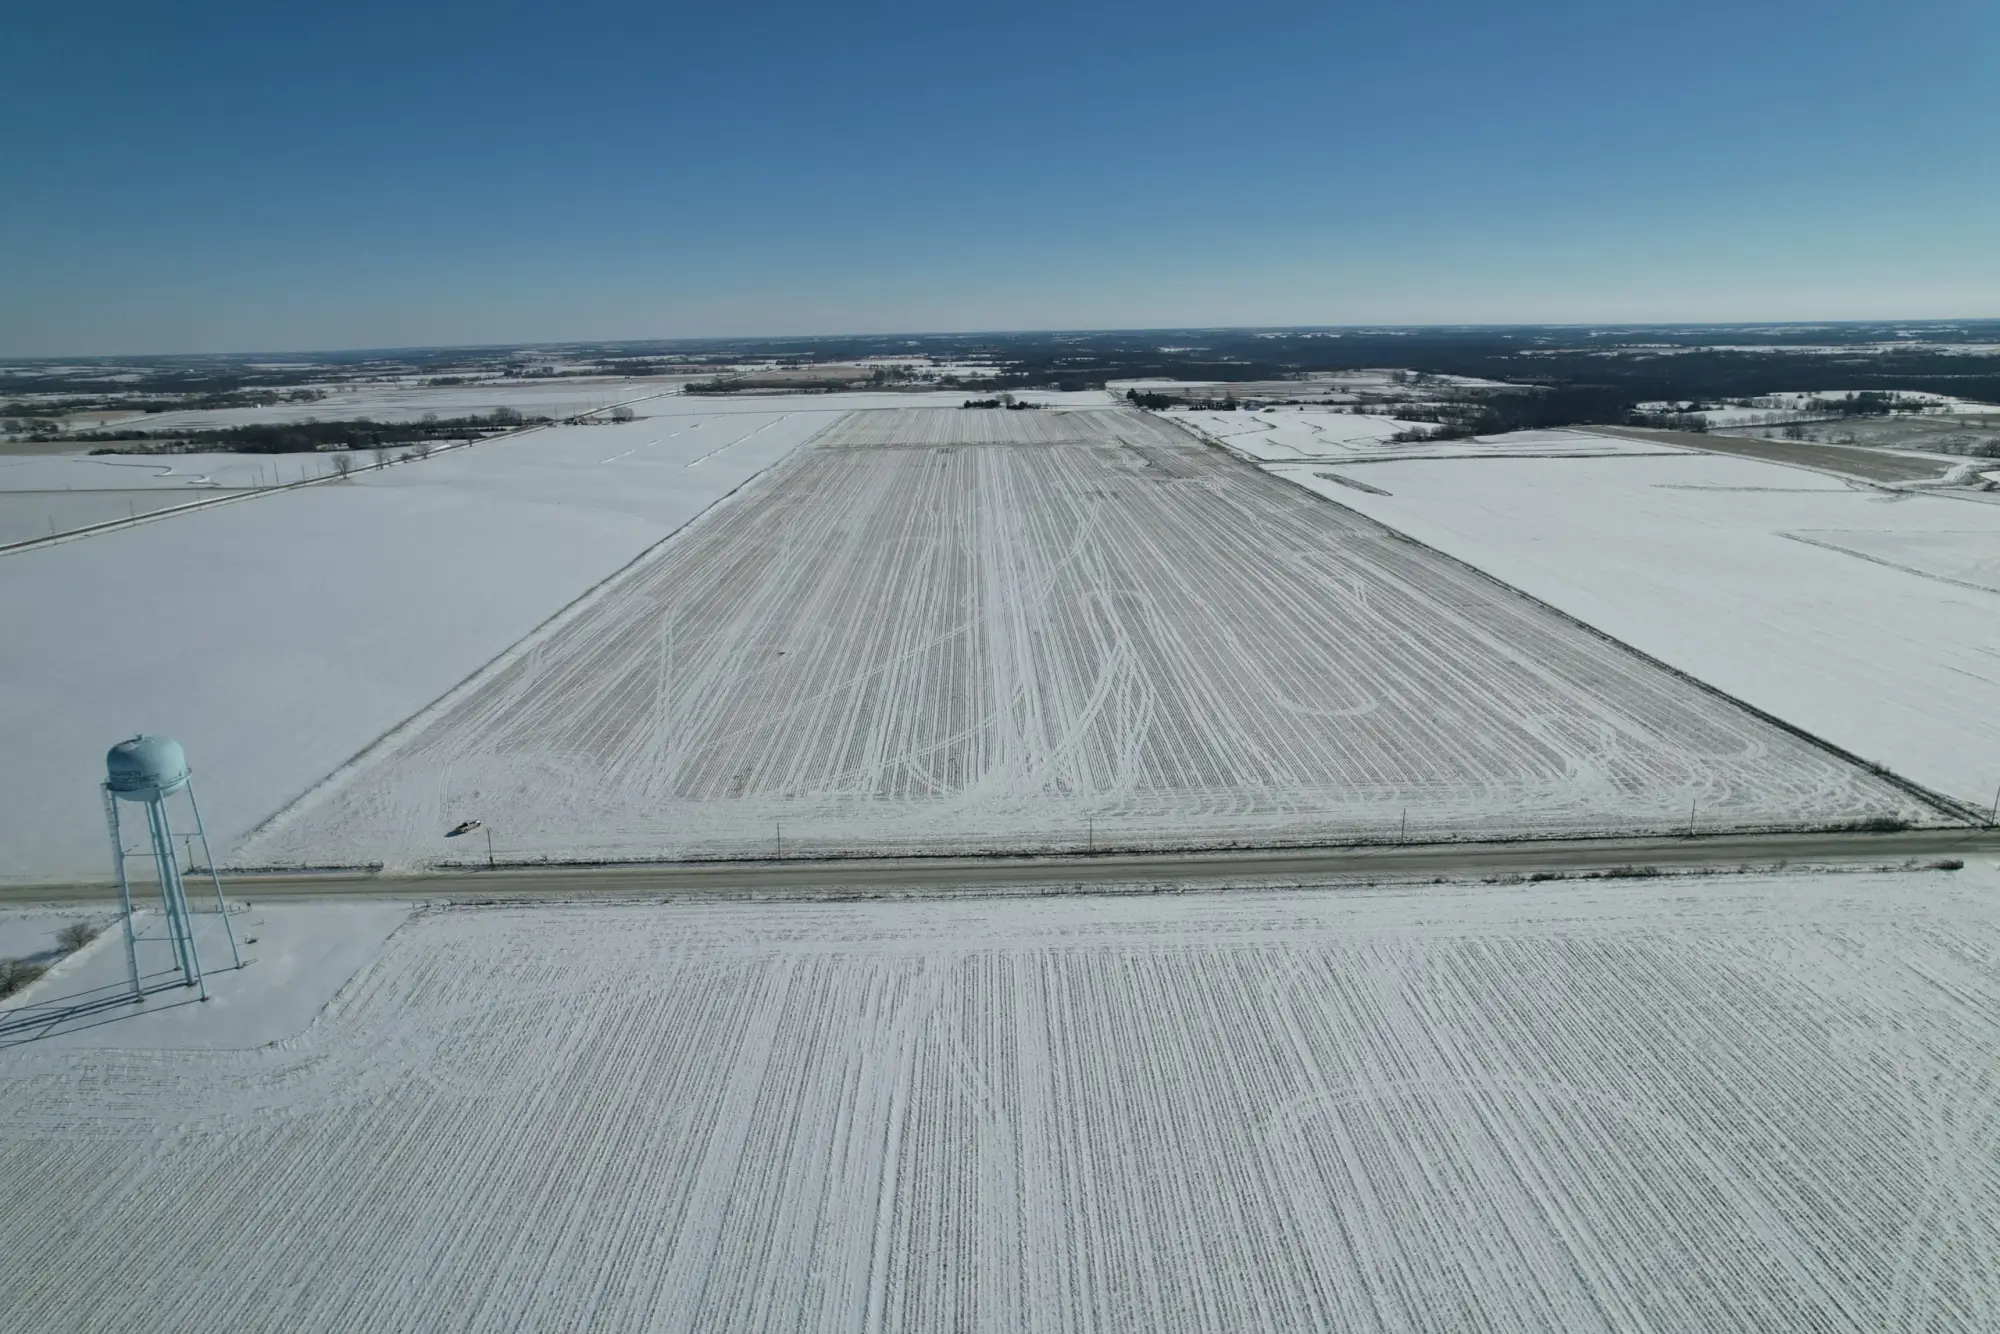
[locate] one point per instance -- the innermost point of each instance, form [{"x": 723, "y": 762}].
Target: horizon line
[{"x": 712, "y": 339}]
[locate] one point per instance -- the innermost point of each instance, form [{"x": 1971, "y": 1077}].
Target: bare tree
[
  {"x": 381, "y": 454},
  {"x": 343, "y": 462},
  {"x": 423, "y": 449}
]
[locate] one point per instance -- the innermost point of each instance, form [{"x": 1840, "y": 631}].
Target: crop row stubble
[{"x": 1760, "y": 1105}]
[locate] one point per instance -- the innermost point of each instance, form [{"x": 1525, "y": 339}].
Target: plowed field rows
[
  {"x": 919, "y": 428},
  {"x": 1080, "y": 626},
  {"x": 1736, "y": 1105}
]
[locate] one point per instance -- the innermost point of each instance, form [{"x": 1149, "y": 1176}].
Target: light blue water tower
[{"x": 146, "y": 771}]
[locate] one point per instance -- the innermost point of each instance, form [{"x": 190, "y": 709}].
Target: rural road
[
  {"x": 940, "y": 877},
  {"x": 1872, "y": 465}
]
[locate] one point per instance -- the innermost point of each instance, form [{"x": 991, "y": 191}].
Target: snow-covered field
[
  {"x": 1698, "y": 1106},
  {"x": 1964, "y": 556},
  {"x": 161, "y": 472},
  {"x": 1290, "y": 434},
  {"x": 1793, "y": 405},
  {"x": 26, "y": 516},
  {"x": 31, "y": 933},
  {"x": 1865, "y": 617},
  {"x": 407, "y": 402},
  {"x": 45, "y": 494},
  {"x": 548, "y": 398},
  {"x": 1306, "y": 435},
  {"x": 296, "y": 958},
  {"x": 993, "y": 630},
  {"x": 278, "y": 636}
]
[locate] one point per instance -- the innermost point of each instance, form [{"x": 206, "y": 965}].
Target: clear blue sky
[{"x": 235, "y": 176}]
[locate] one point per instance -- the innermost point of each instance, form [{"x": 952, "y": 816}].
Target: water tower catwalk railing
[{"x": 146, "y": 771}]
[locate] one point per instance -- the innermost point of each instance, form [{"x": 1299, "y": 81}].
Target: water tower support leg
[
  {"x": 208, "y": 858},
  {"x": 163, "y": 871},
  {"x": 124, "y": 891},
  {"x": 170, "y": 877},
  {"x": 180, "y": 896}
]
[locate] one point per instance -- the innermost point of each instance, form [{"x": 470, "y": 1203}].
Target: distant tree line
[
  {"x": 308, "y": 437},
  {"x": 1546, "y": 407},
  {"x": 1670, "y": 421},
  {"x": 635, "y": 366},
  {"x": 767, "y": 385},
  {"x": 1867, "y": 403}
]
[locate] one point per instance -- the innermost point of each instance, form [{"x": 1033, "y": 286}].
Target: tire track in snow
[{"x": 1755, "y": 1103}]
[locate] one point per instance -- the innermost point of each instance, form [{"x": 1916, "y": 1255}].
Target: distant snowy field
[
  {"x": 1704, "y": 1106},
  {"x": 277, "y": 636},
  {"x": 409, "y": 402},
  {"x": 532, "y": 398},
  {"x": 164, "y": 472},
  {"x": 1864, "y": 616},
  {"x": 949, "y": 631},
  {"x": 1308, "y": 435},
  {"x": 1290, "y": 434},
  {"x": 1793, "y": 405},
  {"x": 43, "y": 495},
  {"x": 28, "y": 516},
  {"x": 1062, "y": 640}
]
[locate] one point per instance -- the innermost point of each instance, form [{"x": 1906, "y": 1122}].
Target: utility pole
[
  {"x": 489, "y": 847},
  {"x": 1691, "y": 802},
  {"x": 1090, "y": 833},
  {"x": 781, "y": 839}
]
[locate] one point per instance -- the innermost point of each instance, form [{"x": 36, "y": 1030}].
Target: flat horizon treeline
[
  {"x": 1493, "y": 413},
  {"x": 311, "y": 437}
]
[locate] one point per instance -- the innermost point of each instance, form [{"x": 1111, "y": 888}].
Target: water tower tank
[{"x": 145, "y": 768}]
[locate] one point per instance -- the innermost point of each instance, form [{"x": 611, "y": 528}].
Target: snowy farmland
[
  {"x": 42, "y": 495},
  {"x": 951, "y": 630},
  {"x": 1290, "y": 435},
  {"x": 1306, "y": 435},
  {"x": 285, "y": 633},
  {"x": 1864, "y": 616},
  {"x": 1699, "y": 1106},
  {"x": 393, "y": 402},
  {"x": 555, "y": 399}
]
